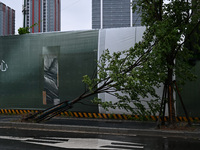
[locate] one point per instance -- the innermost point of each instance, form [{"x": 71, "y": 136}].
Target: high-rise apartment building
[
  {"x": 44, "y": 13},
  {"x": 114, "y": 14},
  {"x": 7, "y": 20}
]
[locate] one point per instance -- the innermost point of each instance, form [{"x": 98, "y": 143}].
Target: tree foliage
[
  {"x": 156, "y": 59},
  {"x": 25, "y": 30}
]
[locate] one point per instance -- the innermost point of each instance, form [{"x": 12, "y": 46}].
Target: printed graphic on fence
[
  {"x": 51, "y": 79},
  {"x": 3, "y": 66}
]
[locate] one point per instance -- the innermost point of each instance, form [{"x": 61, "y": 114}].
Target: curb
[{"x": 100, "y": 130}]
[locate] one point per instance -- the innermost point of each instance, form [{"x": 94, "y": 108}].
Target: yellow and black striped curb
[{"x": 97, "y": 115}]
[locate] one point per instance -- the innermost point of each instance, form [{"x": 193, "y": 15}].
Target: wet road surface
[{"x": 15, "y": 139}]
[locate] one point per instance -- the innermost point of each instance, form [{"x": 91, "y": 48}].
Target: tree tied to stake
[
  {"x": 157, "y": 59},
  {"x": 132, "y": 75}
]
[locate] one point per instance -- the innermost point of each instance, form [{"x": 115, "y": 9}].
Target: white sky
[{"x": 75, "y": 14}]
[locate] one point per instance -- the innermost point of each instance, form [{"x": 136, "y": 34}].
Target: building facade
[
  {"x": 44, "y": 13},
  {"x": 113, "y": 14},
  {"x": 7, "y": 20}
]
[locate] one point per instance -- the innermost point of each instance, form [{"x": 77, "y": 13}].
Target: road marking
[{"x": 77, "y": 143}]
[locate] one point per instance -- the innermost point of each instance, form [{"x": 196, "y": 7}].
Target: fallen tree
[{"x": 135, "y": 73}]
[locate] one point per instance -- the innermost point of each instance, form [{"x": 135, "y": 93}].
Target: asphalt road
[{"x": 16, "y": 139}]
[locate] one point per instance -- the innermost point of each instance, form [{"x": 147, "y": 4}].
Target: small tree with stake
[
  {"x": 155, "y": 60},
  {"x": 171, "y": 25}
]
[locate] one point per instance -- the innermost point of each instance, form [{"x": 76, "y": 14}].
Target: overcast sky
[{"x": 75, "y": 14}]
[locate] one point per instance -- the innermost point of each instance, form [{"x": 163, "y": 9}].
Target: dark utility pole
[{"x": 24, "y": 12}]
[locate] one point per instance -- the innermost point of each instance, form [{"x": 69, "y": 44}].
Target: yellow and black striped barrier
[{"x": 97, "y": 115}]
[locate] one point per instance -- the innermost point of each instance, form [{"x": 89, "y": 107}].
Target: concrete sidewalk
[{"x": 98, "y": 126}]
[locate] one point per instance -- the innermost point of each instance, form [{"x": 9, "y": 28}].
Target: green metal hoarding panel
[
  {"x": 190, "y": 94},
  {"x": 23, "y": 59}
]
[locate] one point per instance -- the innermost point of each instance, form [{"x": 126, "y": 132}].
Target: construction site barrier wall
[{"x": 97, "y": 115}]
